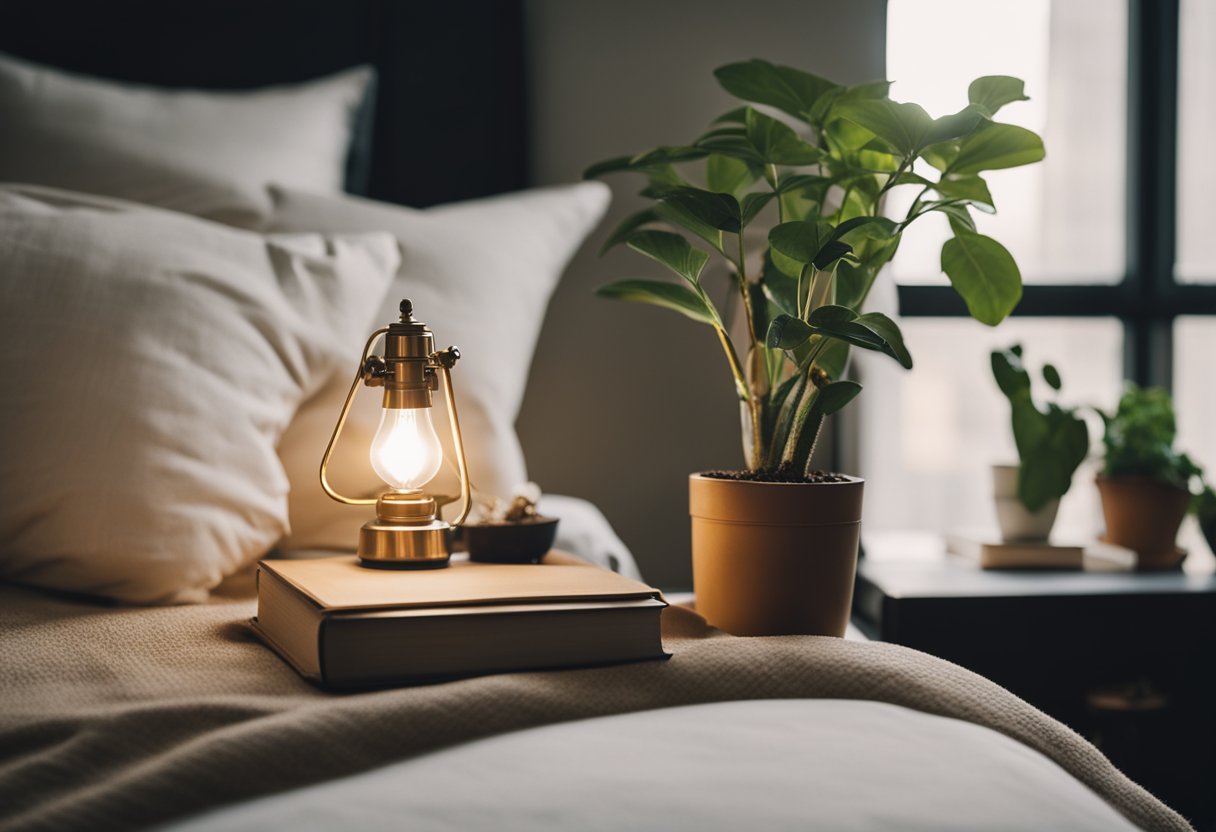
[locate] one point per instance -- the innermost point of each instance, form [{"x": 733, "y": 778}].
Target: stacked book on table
[
  {"x": 343, "y": 625},
  {"x": 990, "y": 552}
]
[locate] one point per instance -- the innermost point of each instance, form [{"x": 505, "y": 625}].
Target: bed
[{"x": 158, "y": 707}]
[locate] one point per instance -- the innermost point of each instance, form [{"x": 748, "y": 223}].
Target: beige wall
[{"x": 625, "y": 400}]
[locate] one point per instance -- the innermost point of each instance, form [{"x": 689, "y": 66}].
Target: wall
[{"x": 626, "y": 400}]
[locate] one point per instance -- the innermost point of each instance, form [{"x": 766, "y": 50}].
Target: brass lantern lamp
[{"x": 406, "y": 452}]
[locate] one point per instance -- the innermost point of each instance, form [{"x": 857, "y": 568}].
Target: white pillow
[
  {"x": 210, "y": 154},
  {"x": 149, "y": 363},
  {"x": 480, "y": 273}
]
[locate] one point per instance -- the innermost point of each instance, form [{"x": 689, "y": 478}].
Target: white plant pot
[{"x": 1015, "y": 522}]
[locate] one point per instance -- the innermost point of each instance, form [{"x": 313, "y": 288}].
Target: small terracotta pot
[
  {"x": 1143, "y": 515},
  {"x": 775, "y": 558}
]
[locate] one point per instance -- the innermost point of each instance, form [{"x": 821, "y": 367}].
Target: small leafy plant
[
  {"x": 813, "y": 180},
  {"x": 1052, "y": 443},
  {"x": 1139, "y": 439}
]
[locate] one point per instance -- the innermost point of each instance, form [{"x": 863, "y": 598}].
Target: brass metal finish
[
  {"x": 405, "y": 547},
  {"x": 360, "y": 376},
  {"x": 407, "y": 532},
  {"x": 404, "y": 507}
]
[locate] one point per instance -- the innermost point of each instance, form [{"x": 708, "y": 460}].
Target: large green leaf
[
  {"x": 969, "y": 187},
  {"x": 996, "y": 146},
  {"x": 733, "y": 142},
  {"x": 992, "y": 92},
  {"x": 728, "y": 175},
  {"x": 859, "y": 92},
  {"x": 667, "y": 295},
  {"x": 845, "y": 137},
  {"x": 645, "y": 160},
  {"x": 787, "y": 332},
  {"x": 628, "y": 226},
  {"x": 832, "y": 251},
  {"x": 955, "y": 210},
  {"x": 864, "y": 228},
  {"x": 834, "y": 396},
  {"x": 942, "y": 154},
  {"x": 720, "y": 211},
  {"x": 955, "y": 126},
  {"x": 672, "y": 250},
  {"x": 1010, "y": 374},
  {"x": 788, "y": 89},
  {"x": 873, "y": 331},
  {"x": 800, "y": 241},
  {"x": 777, "y": 143},
  {"x": 887, "y": 330},
  {"x": 753, "y": 204},
  {"x": 902, "y": 127},
  {"x": 984, "y": 273},
  {"x": 735, "y": 116},
  {"x": 1051, "y": 447}
]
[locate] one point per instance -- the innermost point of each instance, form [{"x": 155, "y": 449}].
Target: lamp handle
[
  {"x": 458, "y": 442},
  {"x": 333, "y": 439}
]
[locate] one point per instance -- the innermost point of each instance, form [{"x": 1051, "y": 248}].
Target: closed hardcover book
[
  {"x": 345, "y": 626},
  {"x": 1029, "y": 554}
]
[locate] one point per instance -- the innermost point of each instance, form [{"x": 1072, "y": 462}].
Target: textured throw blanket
[{"x": 114, "y": 717}]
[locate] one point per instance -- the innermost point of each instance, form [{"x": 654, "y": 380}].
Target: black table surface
[{"x": 1055, "y": 637}]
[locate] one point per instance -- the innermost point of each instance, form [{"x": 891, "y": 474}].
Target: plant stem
[
  {"x": 810, "y": 290},
  {"x": 903, "y": 166},
  {"x": 741, "y": 270},
  {"x": 745, "y": 395}
]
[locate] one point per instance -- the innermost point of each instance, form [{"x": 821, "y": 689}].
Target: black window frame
[{"x": 1149, "y": 298}]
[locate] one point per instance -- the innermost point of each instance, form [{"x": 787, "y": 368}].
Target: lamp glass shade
[{"x": 406, "y": 452}]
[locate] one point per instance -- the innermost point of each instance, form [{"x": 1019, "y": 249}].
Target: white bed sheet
[{"x": 731, "y": 766}]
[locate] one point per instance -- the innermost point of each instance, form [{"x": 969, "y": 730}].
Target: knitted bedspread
[{"x": 119, "y": 717}]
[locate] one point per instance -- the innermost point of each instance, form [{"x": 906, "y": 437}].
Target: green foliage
[
  {"x": 1052, "y": 443},
  {"x": 1139, "y": 439},
  {"x": 812, "y": 161}
]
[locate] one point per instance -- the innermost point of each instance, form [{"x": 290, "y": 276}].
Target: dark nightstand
[{"x": 1061, "y": 640}]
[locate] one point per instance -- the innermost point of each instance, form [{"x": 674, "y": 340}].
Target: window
[{"x": 1122, "y": 96}]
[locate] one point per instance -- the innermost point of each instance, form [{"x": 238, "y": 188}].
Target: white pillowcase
[
  {"x": 210, "y": 154},
  {"x": 480, "y": 273},
  {"x": 149, "y": 363}
]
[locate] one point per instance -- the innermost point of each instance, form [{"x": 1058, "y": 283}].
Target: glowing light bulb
[{"x": 406, "y": 452}]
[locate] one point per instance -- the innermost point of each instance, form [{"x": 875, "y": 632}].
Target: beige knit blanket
[{"x": 114, "y": 717}]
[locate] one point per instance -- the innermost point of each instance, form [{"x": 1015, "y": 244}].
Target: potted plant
[
  {"x": 1145, "y": 482},
  {"x": 1051, "y": 443},
  {"x": 787, "y": 190}
]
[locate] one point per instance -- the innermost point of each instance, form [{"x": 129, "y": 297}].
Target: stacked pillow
[
  {"x": 149, "y": 364},
  {"x": 210, "y": 154}
]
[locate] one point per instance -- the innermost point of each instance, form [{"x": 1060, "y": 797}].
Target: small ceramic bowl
[{"x": 525, "y": 542}]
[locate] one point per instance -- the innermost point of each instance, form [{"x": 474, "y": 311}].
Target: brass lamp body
[{"x": 407, "y": 532}]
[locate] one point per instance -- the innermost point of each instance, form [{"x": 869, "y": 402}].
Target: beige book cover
[{"x": 340, "y": 583}]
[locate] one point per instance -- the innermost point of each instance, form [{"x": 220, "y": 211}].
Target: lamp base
[{"x": 400, "y": 546}]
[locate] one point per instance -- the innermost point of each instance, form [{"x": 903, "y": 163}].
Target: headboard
[{"x": 450, "y": 117}]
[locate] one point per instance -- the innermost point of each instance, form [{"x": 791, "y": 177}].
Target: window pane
[
  {"x": 1062, "y": 218},
  {"x": 1196, "y": 123},
  {"x": 930, "y": 435},
  {"x": 1195, "y": 402}
]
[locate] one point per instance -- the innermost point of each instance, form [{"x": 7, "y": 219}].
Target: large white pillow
[
  {"x": 480, "y": 273},
  {"x": 210, "y": 154},
  {"x": 149, "y": 363}
]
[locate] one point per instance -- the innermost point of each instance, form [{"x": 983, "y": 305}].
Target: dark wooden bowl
[{"x": 525, "y": 542}]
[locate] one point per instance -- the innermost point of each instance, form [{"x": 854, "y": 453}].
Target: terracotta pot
[
  {"x": 1144, "y": 515},
  {"x": 774, "y": 558},
  {"x": 1015, "y": 522}
]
